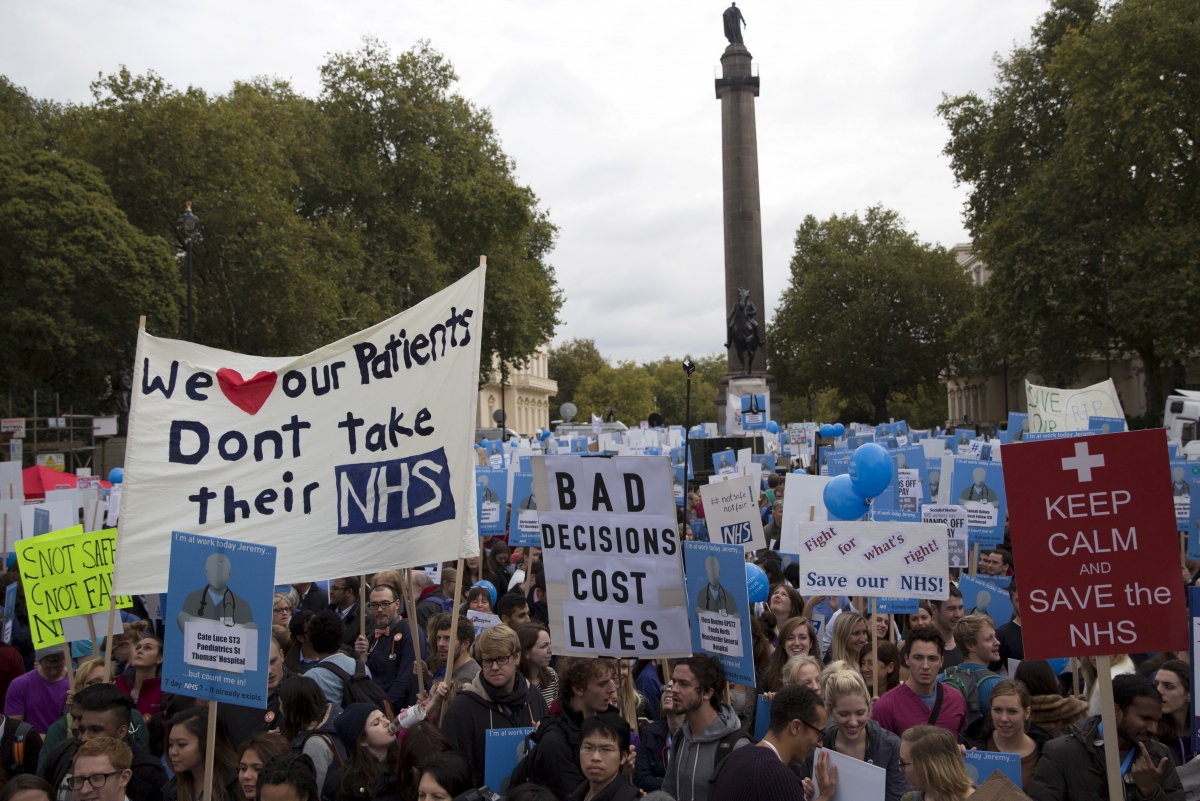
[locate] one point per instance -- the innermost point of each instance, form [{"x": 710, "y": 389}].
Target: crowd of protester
[{"x": 371, "y": 704}]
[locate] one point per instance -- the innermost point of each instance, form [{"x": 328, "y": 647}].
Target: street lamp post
[
  {"x": 689, "y": 367},
  {"x": 188, "y": 221},
  {"x": 1104, "y": 279}
]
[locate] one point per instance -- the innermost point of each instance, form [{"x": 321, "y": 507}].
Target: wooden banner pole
[
  {"x": 67, "y": 657},
  {"x": 974, "y": 567},
  {"x": 413, "y": 627},
  {"x": 92, "y": 631},
  {"x": 874, "y": 652},
  {"x": 112, "y": 611},
  {"x": 210, "y": 751},
  {"x": 452, "y": 654},
  {"x": 362, "y": 606},
  {"x": 1108, "y": 717}
]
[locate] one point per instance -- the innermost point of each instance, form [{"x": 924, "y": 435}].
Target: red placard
[{"x": 1095, "y": 544}]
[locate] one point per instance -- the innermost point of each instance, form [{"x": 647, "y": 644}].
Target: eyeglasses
[
  {"x": 814, "y": 728},
  {"x": 282, "y": 609},
  {"x": 96, "y": 780},
  {"x": 587, "y": 749},
  {"x": 375, "y": 606},
  {"x": 498, "y": 661},
  {"x": 904, "y": 764}
]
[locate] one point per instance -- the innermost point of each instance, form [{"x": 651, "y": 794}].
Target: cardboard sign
[
  {"x": 719, "y": 606},
  {"x": 482, "y": 621},
  {"x": 725, "y": 463},
  {"x": 491, "y": 500},
  {"x": 220, "y": 602},
  {"x": 1053, "y": 409},
  {"x": 614, "y": 578},
  {"x": 1093, "y": 528},
  {"x": 982, "y": 764},
  {"x": 954, "y": 518},
  {"x": 357, "y": 457},
  {"x": 523, "y": 517},
  {"x": 978, "y": 487},
  {"x": 65, "y": 574},
  {"x": 14, "y": 426},
  {"x": 754, "y": 412},
  {"x": 503, "y": 750},
  {"x": 856, "y": 780},
  {"x": 1106, "y": 425},
  {"x": 898, "y": 560},
  {"x": 983, "y": 597},
  {"x": 731, "y": 512}
]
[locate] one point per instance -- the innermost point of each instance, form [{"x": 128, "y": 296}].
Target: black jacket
[
  {"x": 473, "y": 712},
  {"x": 243, "y": 722},
  {"x": 883, "y": 751},
  {"x": 351, "y": 622},
  {"x": 315, "y": 600},
  {"x": 32, "y": 747},
  {"x": 651, "y": 764},
  {"x": 1072, "y": 766},
  {"x": 391, "y": 663},
  {"x": 556, "y": 755},
  {"x": 147, "y": 784},
  {"x": 618, "y": 790}
]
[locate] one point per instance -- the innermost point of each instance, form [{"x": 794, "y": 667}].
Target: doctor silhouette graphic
[{"x": 215, "y": 601}]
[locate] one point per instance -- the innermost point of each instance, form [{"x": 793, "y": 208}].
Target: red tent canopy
[{"x": 38, "y": 479}]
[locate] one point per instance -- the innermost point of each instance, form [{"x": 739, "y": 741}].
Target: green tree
[
  {"x": 869, "y": 310},
  {"x": 74, "y": 277},
  {"x": 570, "y": 363},
  {"x": 1087, "y": 148},
  {"x": 421, "y": 171},
  {"x": 627, "y": 387},
  {"x": 670, "y": 388}
]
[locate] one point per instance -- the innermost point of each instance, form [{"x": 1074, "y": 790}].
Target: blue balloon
[
  {"x": 870, "y": 470},
  {"x": 545, "y": 435},
  {"x": 756, "y": 583},
  {"x": 827, "y": 431},
  {"x": 491, "y": 588},
  {"x": 116, "y": 475},
  {"x": 842, "y": 501},
  {"x": 838, "y": 429},
  {"x": 773, "y": 427}
]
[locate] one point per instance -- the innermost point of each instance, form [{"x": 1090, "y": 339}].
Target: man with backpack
[
  {"x": 711, "y": 730},
  {"x": 438, "y": 601},
  {"x": 922, "y": 699},
  {"x": 333, "y": 668},
  {"x": 976, "y": 637},
  {"x": 388, "y": 648},
  {"x": 19, "y": 747},
  {"x": 586, "y": 687}
]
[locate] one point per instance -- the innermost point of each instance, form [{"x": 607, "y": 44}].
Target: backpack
[
  {"x": 524, "y": 771},
  {"x": 359, "y": 688},
  {"x": 967, "y": 683},
  {"x": 333, "y": 775},
  {"x": 18, "y": 748}
]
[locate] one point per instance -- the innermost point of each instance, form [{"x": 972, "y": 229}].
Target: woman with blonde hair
[
  {"x": 804, "y": 670},
  {"x": 1121, "y": 664},
  {"x": 797, "y": 637},
  {"x": 630, "y": 702},
  {"x": 850, "y": 637},
  {"x": 281, "y": 610},
  {"x": 933, "y": 765},
  {"x": 851, "y": 731}
]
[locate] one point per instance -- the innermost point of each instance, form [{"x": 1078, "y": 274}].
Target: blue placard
[
  {"x": 718, "y": 606},
  {"x": 979, "y": 486},
  {"x": 679, "y": 459},
  {"x": 1037, "y": 436},
  {"x": 503, "y": 749},
  {"x": 910, "y": 457},
  {"x": 859, "y": 440},
  {"x": 724, "y": 462},
  {"x": 1106, "y": 425},
  {"x": 981, "y": 597},
  {"x": 10, "y": 611},
  {"x": 896, "y": 606},
  {"x": 219, "y": 619},
  {"x": 982, "y": 764},
  {"x": 839, "y": 463},
  {"x": 1018, "y": 428},
  {"x": 678, "y": 485},
  {"x": 523, "y": 520},
  {"x": 579, "y": 445},
  {"x": 762, "y": 718},
  {"x": 491, "y": 489},
  {"x": 754, "y": 412},
  {"x": 524, "y": 465},
  {"x": 893, "y": 515}
]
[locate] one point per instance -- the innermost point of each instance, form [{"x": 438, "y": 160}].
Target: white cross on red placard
[{"x": 1083, "y": 462}]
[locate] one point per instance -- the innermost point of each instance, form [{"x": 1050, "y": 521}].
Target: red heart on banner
[{"x": 247, "y": 395}]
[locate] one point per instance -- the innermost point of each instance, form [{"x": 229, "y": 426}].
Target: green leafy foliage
[
  {"x": 1087, "y": 148},
  {"x": 869, "y": 311},
  {"x": 74, "y": 277}
]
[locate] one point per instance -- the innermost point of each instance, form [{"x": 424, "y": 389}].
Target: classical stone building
[
  {"x": 987, "y": 400},
  {"x": 525, "y": 396}
]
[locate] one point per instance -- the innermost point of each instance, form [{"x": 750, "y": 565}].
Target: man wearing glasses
[
  {"x": 388, "y": 648},
  {"x": 102, "y": 770},
  {"x": 498, "y": 698}
]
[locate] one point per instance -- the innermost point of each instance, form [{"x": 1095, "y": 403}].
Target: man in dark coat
[
  {"x": 498, "y": 698},
  {"x": 388, "y": 647},
  {"x": 587, "y": 687},
  {"x": 1072, "y": 767}
]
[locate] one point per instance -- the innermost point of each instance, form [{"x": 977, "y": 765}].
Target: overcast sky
[{"x": 610, "y": 113}]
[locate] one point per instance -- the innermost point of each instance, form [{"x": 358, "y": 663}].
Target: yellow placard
[{"x": 64, "y": 574}]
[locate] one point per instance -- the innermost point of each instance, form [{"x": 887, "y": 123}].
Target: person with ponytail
[{"x": 141, "y": 680}]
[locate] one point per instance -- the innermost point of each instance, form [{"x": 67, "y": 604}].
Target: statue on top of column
[{"x": 734, "y": 21}]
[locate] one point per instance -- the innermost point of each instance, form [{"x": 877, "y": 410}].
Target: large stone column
[{"x": 736, "y": 89}]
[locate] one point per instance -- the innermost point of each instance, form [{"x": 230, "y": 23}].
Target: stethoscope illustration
[{"x": 227, "y": 598}]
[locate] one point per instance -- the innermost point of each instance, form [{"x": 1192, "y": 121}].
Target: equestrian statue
[{"x": 742, "y": 330}]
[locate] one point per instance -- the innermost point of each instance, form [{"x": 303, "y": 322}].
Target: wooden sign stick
[
  {"x": 874, "y": 652},
  {"x": 92, "y": 631},
  {"x": 975, "y": 560},
  {"x": 452, "y": 654},
  {"x": 210, "y": 750},
  {"x": 1108, "y": 717},
  {"x": 362, "y": 607},
  {"x": 413, "y": 627}
]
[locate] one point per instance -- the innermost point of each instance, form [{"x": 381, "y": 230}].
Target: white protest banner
[
  {"x": 352, "y": 459},
  {"x": 954, "y": 518},
  {"x": 1053, "y": 409},
  {"x": 731, "y": 509},
  {"x": 614, "y": 572},
  {"x": 898, "y": 560}
]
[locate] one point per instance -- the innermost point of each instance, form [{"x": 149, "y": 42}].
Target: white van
[{"x": 1182, "y": 421}]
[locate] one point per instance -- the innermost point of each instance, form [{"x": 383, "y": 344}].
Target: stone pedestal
[
  {"x": 754, "y": 384},
  {"x": 736, "y": 89}
]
